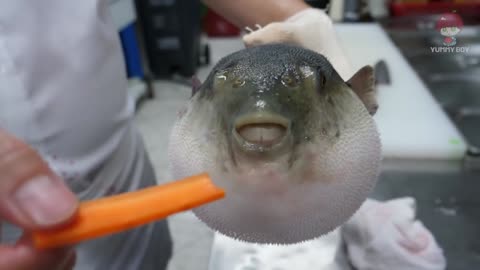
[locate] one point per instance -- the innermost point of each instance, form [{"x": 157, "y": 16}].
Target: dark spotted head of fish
[
  {"x": 292, "y": 143},
  {"x": 274, "y": 98}
]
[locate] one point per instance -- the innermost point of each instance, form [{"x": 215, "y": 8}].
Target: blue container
[{"x": 131, "y": 51}]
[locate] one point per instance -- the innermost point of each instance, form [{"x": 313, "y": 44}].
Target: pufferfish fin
[
  {"x": 196, "y": 84},
  {"x": 363, "y": 84}
]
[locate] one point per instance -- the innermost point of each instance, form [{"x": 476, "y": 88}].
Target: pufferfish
[{"x": 293, "y": 145}]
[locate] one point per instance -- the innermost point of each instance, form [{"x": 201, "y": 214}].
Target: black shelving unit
[{"x": 171, "y": 30}]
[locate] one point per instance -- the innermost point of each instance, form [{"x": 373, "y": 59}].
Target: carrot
[{"x": 122, "y": 212}]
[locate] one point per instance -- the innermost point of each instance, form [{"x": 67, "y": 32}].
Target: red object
[
  {"x": 403, "y": 9},
  {"x": 449, "y": 20},
  {"x": 217, "y": 26}
]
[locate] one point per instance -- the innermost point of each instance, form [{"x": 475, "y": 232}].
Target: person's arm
[
  {"x": 251, "y": 12},
  {"x": 286, "y": 21}
]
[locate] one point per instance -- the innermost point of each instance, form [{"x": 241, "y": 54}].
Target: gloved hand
[
  {"x": 310, "y": 28},
  {"x": 31, "y": 197}
]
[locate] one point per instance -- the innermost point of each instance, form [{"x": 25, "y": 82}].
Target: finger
[
  {"x": 23, "y": 256},
  {"x": 31, "y": 195},
  {"x": 272, "y": 33}
]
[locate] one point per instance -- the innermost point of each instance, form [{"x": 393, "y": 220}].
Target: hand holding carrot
[
  {"x": 32, "y": 197},
  {"x": 101, "y": 217}
]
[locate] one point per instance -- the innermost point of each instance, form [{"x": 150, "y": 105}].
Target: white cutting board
[{"x": 411, "y": 122}]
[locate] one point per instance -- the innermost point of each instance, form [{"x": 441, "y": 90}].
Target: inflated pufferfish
[{"x": 293, "y": 145}]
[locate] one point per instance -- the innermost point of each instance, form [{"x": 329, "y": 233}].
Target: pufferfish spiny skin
[{"x": 293, "y": 145}]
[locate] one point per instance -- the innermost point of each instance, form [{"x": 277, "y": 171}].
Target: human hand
[
  {"x": 310, "y": 28},
  {"x": 31, "y": 197}
]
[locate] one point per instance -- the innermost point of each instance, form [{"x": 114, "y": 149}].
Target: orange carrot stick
[{"x": 117, "y": 213}]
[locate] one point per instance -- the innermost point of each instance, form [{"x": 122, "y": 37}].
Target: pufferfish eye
[
  {"x": 221, "y": 75},
  {"x": 220, "y": 79},
  {"x": 238, "y": 82},
  {"x": 289, "y": 80}
]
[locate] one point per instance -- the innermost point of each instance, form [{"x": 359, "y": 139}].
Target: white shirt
[
  {"x": 62, "y": 82},
  {"x": 63, "y": 90}
]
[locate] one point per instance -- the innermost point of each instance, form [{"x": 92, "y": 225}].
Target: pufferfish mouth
[{"x": 261, "y": 130}]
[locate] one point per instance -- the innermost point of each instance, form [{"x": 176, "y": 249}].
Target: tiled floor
[{"x": 192, "y": 239}]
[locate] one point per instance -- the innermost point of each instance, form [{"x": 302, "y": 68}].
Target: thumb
[{"x": 31, "y": 195}]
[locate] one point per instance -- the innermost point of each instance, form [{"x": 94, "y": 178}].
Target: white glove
[{"x": 310, "y": 28}]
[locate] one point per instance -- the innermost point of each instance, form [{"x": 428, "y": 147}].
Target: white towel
[
  {"x": 387, "y": 236},
  {"x": 380, "y": 236}
]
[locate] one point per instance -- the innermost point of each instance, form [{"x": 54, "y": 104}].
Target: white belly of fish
[{"x": 271, "y": 203}]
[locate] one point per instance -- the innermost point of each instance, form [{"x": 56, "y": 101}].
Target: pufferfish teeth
[{"x": 262, "y": 134}]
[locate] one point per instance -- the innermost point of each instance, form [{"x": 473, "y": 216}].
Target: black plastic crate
[{"x": 171, "y": 31}]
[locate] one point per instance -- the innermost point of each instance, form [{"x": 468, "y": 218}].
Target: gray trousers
[
  {"x": 148, "y": 247},
  {"x": 160, "y": 250}
]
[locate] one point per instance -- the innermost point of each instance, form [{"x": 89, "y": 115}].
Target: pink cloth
[{"x": 386, "y": 235}]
